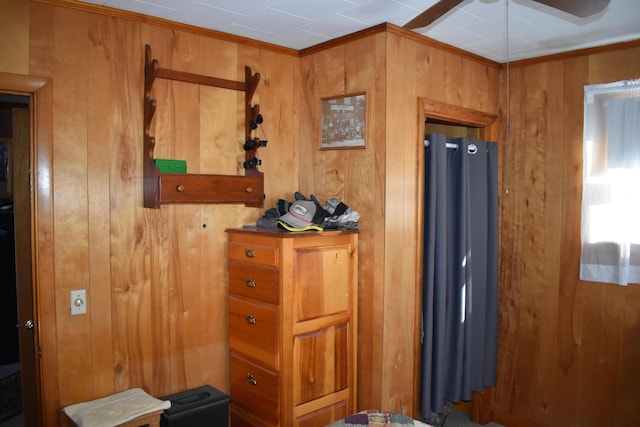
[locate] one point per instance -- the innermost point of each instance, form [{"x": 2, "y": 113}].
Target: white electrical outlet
[{"x": 78, "y": 302}]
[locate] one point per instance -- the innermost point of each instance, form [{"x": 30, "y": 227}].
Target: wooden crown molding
[
  {"x": 390, "y": 28},
  {"x": 573, "y": 54},
  {"x": 133, "y": 16},
  {"x": 380, "y": 28}
]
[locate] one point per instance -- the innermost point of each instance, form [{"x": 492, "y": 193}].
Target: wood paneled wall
[
  {"x": 155, "y": 279},
  {"x": 382, "y": 183},
  {"x": 416, "y": 70},
  {"x": 354, "y": 176},
  {"x": 568, "y": 350}
]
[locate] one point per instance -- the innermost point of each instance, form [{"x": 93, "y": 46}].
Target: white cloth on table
[{"x": 115, "y": 409}]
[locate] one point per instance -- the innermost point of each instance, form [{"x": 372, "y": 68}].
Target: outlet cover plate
[{"x": 78, "y": 302}]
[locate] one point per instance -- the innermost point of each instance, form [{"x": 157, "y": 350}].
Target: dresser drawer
[
  {"x": 238, "y": 418},
  {"x": 254, "y": 389},
  {"x": 252, "y": 331},
  {"x": 259, "y": 283},
  {"x": 253, "y": 253}
]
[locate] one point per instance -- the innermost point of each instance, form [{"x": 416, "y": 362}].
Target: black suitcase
[{"x": 199, "y": 407}]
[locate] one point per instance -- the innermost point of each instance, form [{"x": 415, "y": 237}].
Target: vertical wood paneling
[
  {"x": 353, "y": 176},
  {"x": 554, "y": 160},
  {"x": 403, "y": 145},
  {"x": 70, "y": 200},
  {"x": 563, "y": 352},
  {"x": 14, "y": 49},
  {"x": 156, "y": 279},
  {"x": 626, "y": 402},
  {"x": 414, "y": 71},
  {"x": 108, "y": 134},
  {"x": 510, "y": 246},
  {"x": 535, "y": 293},
  {"x": 382, "y": 183},
  {"x": 219, "y": 152},
  {"x": 568, "y": 330},
  {"x": 187, "y": 134},
  {"x": 568, "y": 350}
]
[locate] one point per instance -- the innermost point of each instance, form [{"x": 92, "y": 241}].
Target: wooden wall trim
[
  {"x": 411, "y": 35},
  {"x": 489, "y": 129},
  {"x": 384, "y": 27},
  {"x": 41, "y": 92},
  {"x": 456, "y": 114},
  {"x": 19, "y": 84},
  {"x": 138, "y": 17},
  {"x": 573, "y": 54},
  {"x": 380, "y": 28},
  {"x": 442, "y": 46}
]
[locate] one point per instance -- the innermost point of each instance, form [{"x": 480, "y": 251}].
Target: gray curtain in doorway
[{"x": 460, "y": 271}]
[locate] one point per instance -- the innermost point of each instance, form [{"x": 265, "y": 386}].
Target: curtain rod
[
  {"x": 449, "y": 144},
  {"x": 471, "y": 148}
]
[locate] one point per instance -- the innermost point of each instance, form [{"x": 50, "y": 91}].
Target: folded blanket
[
  {"x": 372, "y": 417},
  {"x": 115, "y": 409}
]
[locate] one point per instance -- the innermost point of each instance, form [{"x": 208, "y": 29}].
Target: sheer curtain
[{"x": 611, "y": 183}]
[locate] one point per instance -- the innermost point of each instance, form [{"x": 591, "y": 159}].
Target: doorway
[
  {"x": 14, "y": 149},
  {"x": 30, "y": 165},
  {"x": 455, "y": 121},
  {"x": 451, "y": 130}
]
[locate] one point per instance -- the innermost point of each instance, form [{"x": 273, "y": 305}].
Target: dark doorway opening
[{"x": 14, "y": 113}]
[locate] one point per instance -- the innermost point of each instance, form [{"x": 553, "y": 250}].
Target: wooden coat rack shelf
[{"x": 172, "y": 188}]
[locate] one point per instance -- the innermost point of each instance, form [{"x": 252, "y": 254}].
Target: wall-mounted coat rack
[{"x": 165, "y": 188}]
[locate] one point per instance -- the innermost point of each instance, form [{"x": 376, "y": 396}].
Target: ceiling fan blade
[
  {"x": 580, "y": 8},
  {"x": 431, "y": 14}
]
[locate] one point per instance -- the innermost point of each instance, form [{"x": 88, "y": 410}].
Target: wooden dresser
[{"x": 292, "y": 327}]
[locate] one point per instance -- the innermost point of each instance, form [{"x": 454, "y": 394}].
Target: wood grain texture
[
  {"x": 564, "y": 348},
  {"x": 353, "y": 176},
  {"x": 304, "y": 343},
  {"x": 408, "y": 83},
  {"x": 70, "y": 201},
  {"x": 14, "y": 50},
  {"x": 157, "y": 280},
  {"x": 21, "y": 150},
  {"x": 394, "y": 71}
]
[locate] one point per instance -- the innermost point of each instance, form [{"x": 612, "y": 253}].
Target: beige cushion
[{"x": 115, "y": 409}]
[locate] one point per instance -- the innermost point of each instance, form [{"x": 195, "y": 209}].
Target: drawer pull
[
  {"x": 250, "y": 319},
  {"x": 250, "y": 253},
  {"x": 251, "y": 379},
  {"x": 251, "y": 283}
]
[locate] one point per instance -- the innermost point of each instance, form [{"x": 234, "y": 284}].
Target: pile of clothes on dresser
[{"x": 304, "y": 214}]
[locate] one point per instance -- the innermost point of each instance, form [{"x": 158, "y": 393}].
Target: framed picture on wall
[{"x": 344, "y": 122}]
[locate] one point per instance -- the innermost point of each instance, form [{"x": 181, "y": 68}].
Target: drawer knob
[
  {"x": 180, "y": 188},
  {"x": 251, "y": 379},
  {"x": 250, "y": 319},
  {"x": 250, "y": 253},
  {"x": 251, "y": 283}
]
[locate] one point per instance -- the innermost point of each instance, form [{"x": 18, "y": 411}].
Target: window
[{"x": 611, "y": 183}]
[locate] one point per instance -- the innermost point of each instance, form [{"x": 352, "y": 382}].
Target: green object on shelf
[{"x": 171, "y": 166}]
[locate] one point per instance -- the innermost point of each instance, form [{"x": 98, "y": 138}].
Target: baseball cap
[{"x": 299, "y": 217}]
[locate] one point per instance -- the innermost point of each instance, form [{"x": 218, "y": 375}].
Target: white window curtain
[{"x": 611, "y": 183}]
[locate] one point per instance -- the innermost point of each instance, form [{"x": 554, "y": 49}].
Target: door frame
[
  {"x": 488, "y": 130},
  {"x": 36, "y": 303}
]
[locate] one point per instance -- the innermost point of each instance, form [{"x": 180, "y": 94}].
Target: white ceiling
[{"x": 477, "y": 26}]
